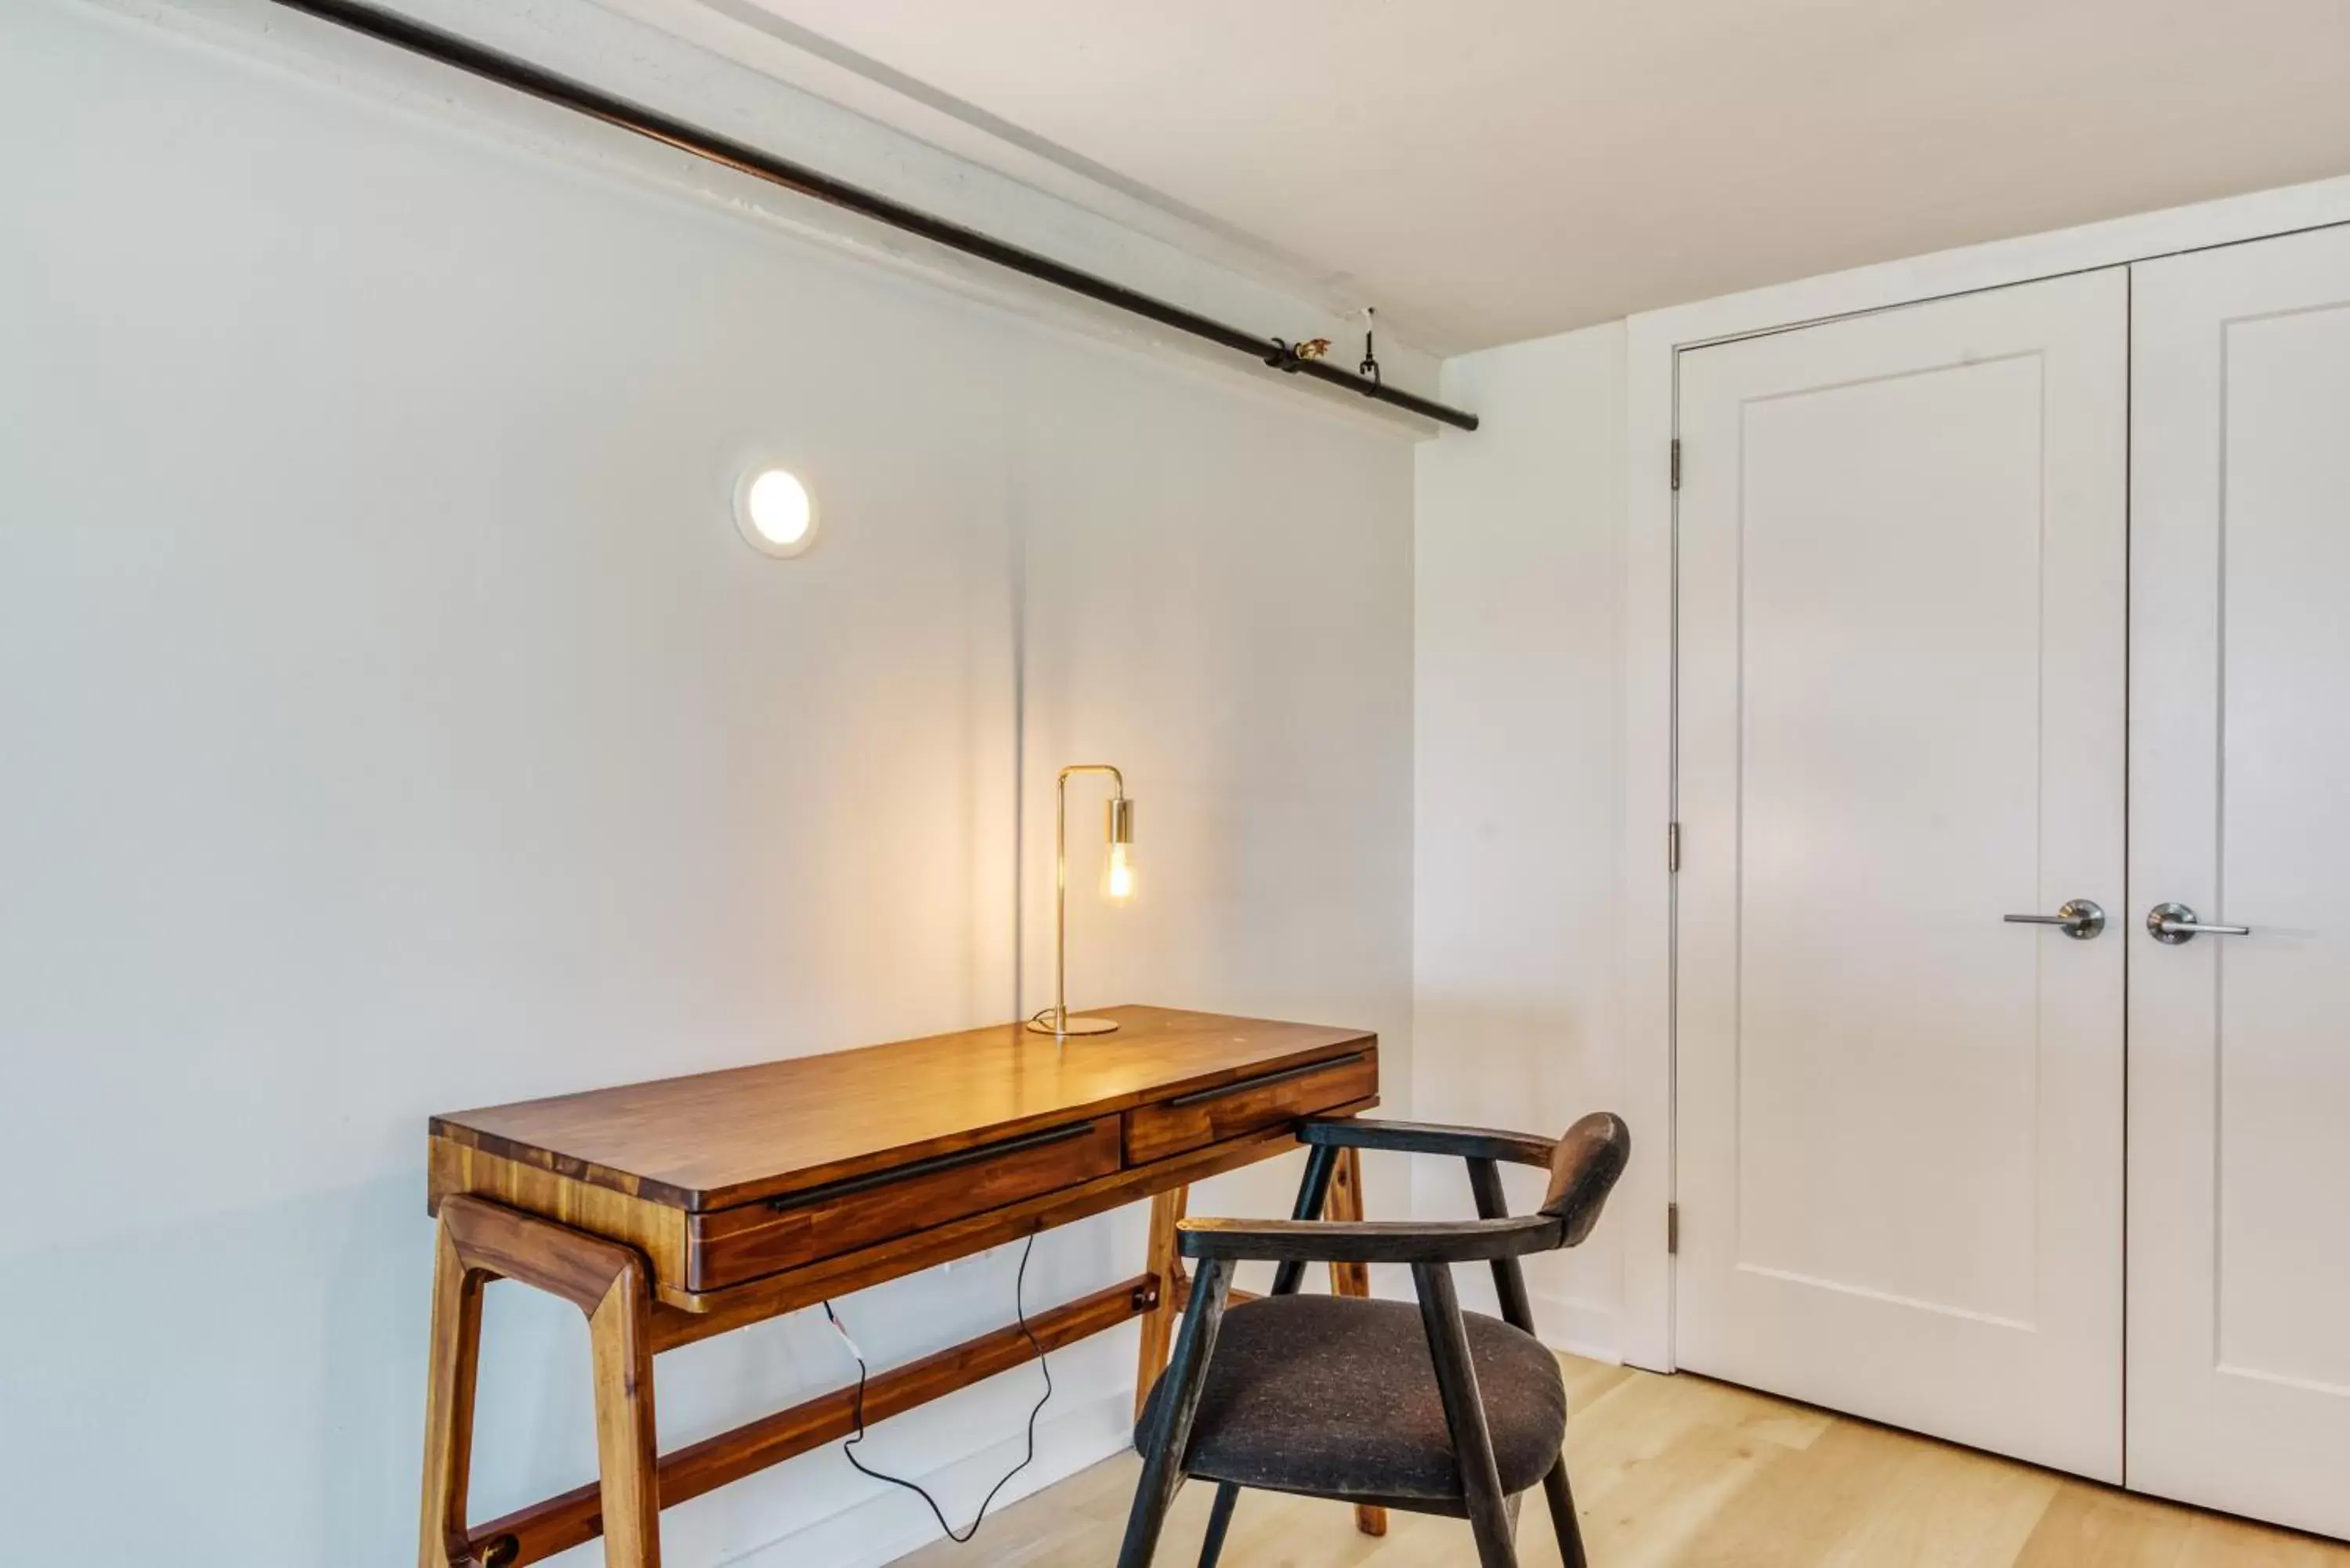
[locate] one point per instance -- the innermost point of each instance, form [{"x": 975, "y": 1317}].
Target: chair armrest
[
  {"x": 1428, "y": 1138},
  {"x": 1367, "y": 1241}
]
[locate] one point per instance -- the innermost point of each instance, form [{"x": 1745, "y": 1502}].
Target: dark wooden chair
[{"x": 1426, "y": 1410}]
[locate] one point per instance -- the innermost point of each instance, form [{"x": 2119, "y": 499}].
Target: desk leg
[
  {"x": 480, "y": 1242},
  {"x": 1346, "y": 1202},
  {"x": 1159, "y": 1323},
  {"x": 449, "y": 1379},
  {"x": 627, "y": 1455}
]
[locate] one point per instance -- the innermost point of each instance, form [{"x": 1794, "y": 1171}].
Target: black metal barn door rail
[{"x": 523, "y": 77}]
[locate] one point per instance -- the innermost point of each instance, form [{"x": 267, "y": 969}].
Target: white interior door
[
  {"x": 1902, "y": 569},
  {"x": 2239, "y": 1045}
]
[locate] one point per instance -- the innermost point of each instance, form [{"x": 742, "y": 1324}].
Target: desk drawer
[
  {"x": 1251, "y": 1104},
  {"x": 732, "y": 1245}
]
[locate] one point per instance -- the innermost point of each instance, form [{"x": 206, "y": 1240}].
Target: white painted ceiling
[{"x": 1488, "y": 171}]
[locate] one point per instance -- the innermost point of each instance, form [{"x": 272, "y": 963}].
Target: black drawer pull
[
  {"x": 1221, "y": 1090},
  {"x": 930, "y": 1166}
]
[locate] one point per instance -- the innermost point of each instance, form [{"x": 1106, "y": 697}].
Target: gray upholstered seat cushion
[{"x": 1336, "y": 1397}]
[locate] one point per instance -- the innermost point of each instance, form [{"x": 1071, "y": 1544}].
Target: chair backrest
[{"x": 1584, "y": 1166}]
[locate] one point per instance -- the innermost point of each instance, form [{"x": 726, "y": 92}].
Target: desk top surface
[{"x": 715, "y": 1140}]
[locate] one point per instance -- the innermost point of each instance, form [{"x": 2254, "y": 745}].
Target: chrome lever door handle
[
  {"x": 2172, "y": 924},
  {"x": 2080, "y": 918}
]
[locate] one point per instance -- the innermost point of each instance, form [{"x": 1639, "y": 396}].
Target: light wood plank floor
[{"x": 1680, "y": 1473}]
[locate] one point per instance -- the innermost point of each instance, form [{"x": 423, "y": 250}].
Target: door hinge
[
  {"x": 1672, "y": 1230},
  {"x": 1672, "y": 846},
  {"x": 1677, "y": 462}
]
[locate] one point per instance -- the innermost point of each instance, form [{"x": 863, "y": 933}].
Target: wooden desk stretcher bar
[{"x": 675, "y": 1210}]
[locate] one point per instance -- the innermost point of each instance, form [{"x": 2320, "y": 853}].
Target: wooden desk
[{"x": 673, "y": 1210}]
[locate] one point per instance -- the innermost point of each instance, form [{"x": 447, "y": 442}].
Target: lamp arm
[{"x": 1117, "y": 779}]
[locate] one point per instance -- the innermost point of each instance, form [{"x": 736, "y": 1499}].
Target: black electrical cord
[{"x": 848, "y": 1449}]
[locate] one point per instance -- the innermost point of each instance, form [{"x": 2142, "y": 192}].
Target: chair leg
[
  {"x": 1345, "y": 1201},
  {"x": 1220, "y": 1519},
  {"x": 1562, "y": 1516},
  {"x": 1170, "y": 1437},
  {"x": 1464, "y": 1416},
  {"x": 1313, "y": 1194}
]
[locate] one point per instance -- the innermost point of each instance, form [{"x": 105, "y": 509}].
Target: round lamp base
[{"x": 1043, "y": 1024}]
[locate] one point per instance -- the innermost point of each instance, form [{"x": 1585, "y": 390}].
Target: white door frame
[{"x": 1653, "y": 343}]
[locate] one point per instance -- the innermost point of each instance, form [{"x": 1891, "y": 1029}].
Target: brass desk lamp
[{"x": 1117, "y": 882}]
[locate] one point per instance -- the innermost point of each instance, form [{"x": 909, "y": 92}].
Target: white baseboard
[
  {"x": 1586, "y": 1328},
  {"x": 1579, "y": 1327},
  {"x": 890, "y": 1522}
]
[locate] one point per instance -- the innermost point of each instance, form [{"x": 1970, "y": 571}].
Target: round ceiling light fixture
[{"x": 774, "y": 511}]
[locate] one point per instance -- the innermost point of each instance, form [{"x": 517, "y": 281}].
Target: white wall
[
  {"x": 1518, "y": 684},
  {"x": 394, "y": 724}
]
